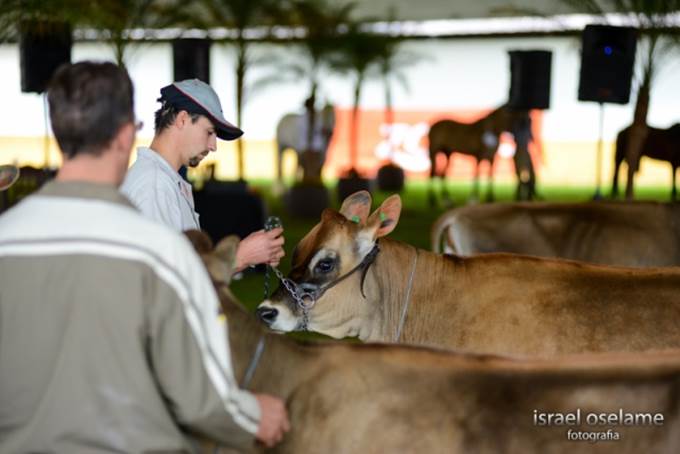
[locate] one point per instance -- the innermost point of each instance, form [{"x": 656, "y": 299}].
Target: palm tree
[
  {"x": 113, "y": 18},
  {"x": 360, "y": 55},
  {"x": 390, "y": 60},
  {"x": 39, "y": 14},
  {"x": 240, "y": 15},
  {"x": 116, "y": 19},
  {"x": 322, "y": 22},
  {"x": 652, "y": 19}
]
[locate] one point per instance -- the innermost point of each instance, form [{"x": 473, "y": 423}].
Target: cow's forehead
[{"x": 333, "y": 232}]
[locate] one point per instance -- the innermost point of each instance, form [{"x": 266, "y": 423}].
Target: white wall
[{"x": 452, "y": 74}]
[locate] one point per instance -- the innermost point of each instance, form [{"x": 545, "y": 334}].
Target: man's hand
[
  {"x": 260, "y": 247},
  {"x": 273, "y": 421}
]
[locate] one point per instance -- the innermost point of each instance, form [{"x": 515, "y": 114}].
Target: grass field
[{"x": 414, "y": 225}]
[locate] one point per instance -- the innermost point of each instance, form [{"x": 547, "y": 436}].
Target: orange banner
[{"x": 405, "y": 142}]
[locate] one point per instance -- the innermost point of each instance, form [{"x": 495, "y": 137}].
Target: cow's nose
[{"x": 267, "y": 314}]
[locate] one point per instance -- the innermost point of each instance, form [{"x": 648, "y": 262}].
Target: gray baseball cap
[{"x": 195, "y": 96}]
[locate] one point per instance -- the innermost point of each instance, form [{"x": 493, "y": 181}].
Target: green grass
[{"x": 414, "y": 225}]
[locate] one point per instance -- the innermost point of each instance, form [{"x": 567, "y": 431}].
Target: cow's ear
[
  {"x": 385, "y": 218},
  {"x": 200, "y": 241},
  {"x": 356, "y": 207},
  {"x": 224, "y": 259}
]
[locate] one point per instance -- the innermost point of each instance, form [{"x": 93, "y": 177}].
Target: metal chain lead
[
  {"x": 299, "y": 296},
  {"x": 292, "y": 288},
  {"x": 271, "y": 223}
]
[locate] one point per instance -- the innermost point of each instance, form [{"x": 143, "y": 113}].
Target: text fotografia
[
  {"x": 593, "y": 436},
  {"x": 596, "y": 420}
]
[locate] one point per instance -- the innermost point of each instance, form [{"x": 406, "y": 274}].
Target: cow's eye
[{"x": 325, "y": 266}]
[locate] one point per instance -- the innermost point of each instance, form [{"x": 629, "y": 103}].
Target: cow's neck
[
  {"x": 283, "y": 364},
  {"x": 387, "y": 287},
  {"x": 389, "y": 291}
]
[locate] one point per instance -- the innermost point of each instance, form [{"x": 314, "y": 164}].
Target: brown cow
[
  {"x": 636, "y": 234},
  {"x": 495, "y": 303},
  {"x": 353, "y": 398}
]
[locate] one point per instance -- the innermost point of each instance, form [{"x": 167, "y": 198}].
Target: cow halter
[
  {"x": 306, "y": 295},
  {"x": 407, "y": 299},
  {"x": 254, "y": 361},
  {"x": 257, "y": 354}
]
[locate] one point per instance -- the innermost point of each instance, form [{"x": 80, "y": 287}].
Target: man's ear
[
  {"x": 181, "y": 119},
  {"x": 356, "y": 207},
  {"x": 122, "y": 144},
  {"x": 385, "y": 218}
]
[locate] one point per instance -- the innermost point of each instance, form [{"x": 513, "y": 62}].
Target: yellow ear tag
[{"x": 355, "y": 219}]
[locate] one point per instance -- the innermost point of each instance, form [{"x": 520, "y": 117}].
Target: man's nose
[{"x": 212, "y": 146}]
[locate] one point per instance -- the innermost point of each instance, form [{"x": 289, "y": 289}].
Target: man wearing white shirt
[{"x": 187, "y": 126}]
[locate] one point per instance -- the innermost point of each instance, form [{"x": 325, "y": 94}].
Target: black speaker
[
  {"x": 607, "y": 60},
  {"x": 210, "y": 203},
  {"x": 191, "y": 59},
  {"x": 530, "y": 72},
  {"x": 43, "y": 47}
]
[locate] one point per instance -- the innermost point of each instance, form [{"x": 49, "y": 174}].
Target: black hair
[
  {"x": 166, "y": 115},
  {"x": 89, "y": 102}
]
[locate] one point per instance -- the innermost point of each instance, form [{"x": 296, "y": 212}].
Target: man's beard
[{"x": 196, "y": 160}]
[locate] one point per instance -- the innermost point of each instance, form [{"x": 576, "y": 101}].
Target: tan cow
[
  {"x": 354, "y": 398},
  {"x": 348, "y": 284},
  {"x": 636, "y": 234}
]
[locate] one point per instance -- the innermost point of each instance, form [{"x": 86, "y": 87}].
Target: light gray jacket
[{"x": 110, "y": 339}]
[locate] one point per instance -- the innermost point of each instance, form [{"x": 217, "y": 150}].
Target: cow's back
[
  {"x": 378, "y": 399},
  {"x": 510, "y": 304},
  {"x": 613, "y": 233}
]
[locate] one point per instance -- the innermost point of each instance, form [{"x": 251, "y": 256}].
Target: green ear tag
[
  {"x": 355, "y": 219},
  {"x": 382, "y": 216}
]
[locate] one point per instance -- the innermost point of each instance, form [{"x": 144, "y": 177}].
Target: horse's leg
[
  {"x": 474, "y": 196},
  {"x": 433, "y": 173},
  {"x": 448, "y": 161},
  {"x": 673, "y": 191},
  {"x": 277, "y": 189},
  {"x": 489, "y": 190},
  {"x": 619, "y": 154},
  {"x": 300, "y": 169},
  {"x": 532, "y": 180}
]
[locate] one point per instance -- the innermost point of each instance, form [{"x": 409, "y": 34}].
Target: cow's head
[
  {"x": 328, "y": 270},
  {"x": 219, "y": 261}
]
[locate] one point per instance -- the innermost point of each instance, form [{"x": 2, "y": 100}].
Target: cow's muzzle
[{"x": 267, "y": 314}]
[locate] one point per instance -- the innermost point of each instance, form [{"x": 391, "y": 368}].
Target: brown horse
[
  {"x": 661, "y": 144},
  {"x": 479, "y": 139}
]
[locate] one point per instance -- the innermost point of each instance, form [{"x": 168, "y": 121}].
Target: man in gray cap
[{"x": 187, "y": 124}]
